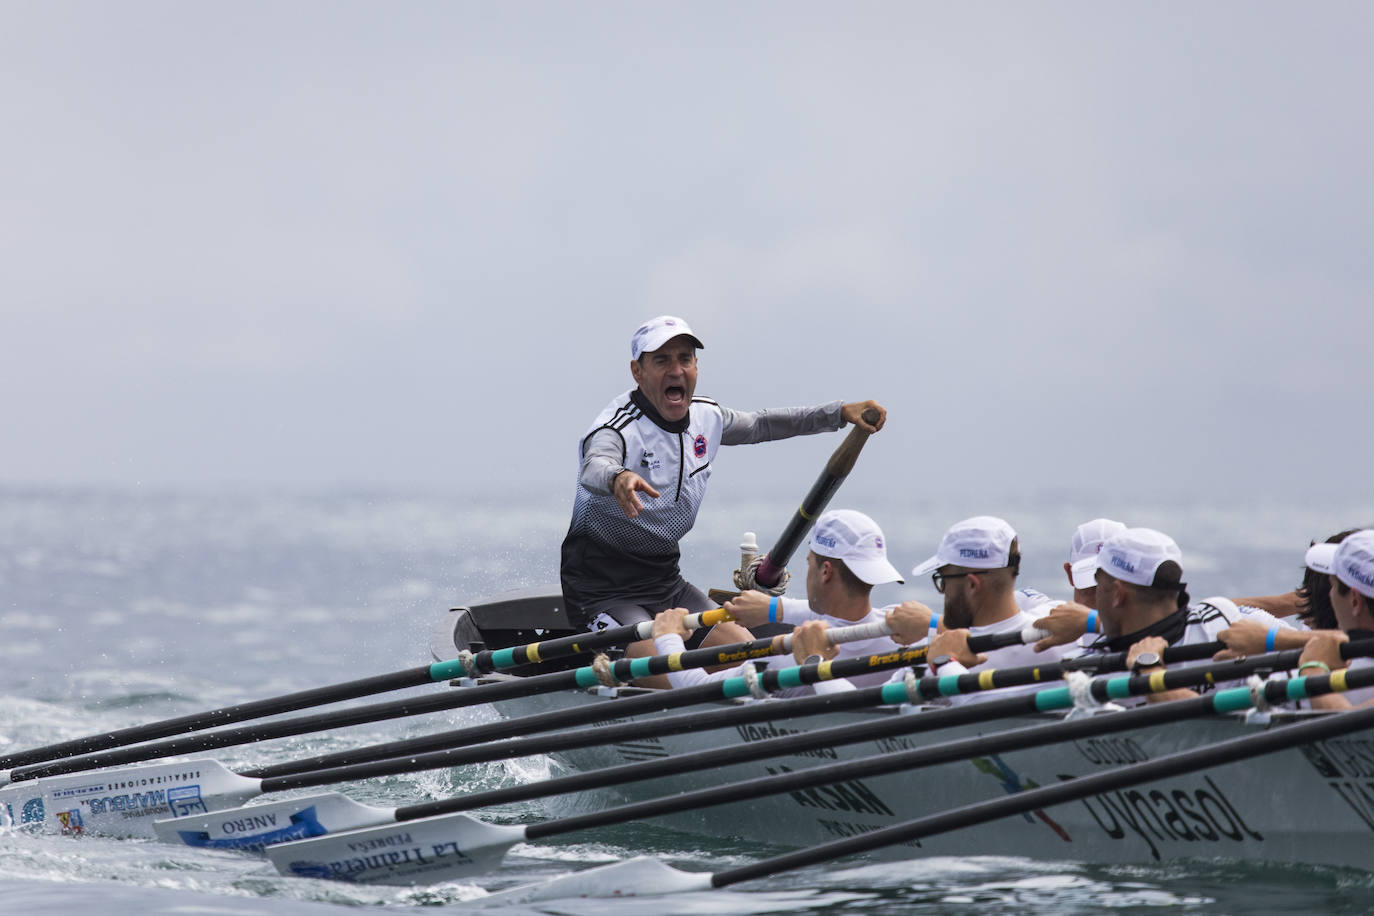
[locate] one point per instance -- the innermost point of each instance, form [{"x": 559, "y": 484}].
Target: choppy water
[{"x": 118, "y": 608}]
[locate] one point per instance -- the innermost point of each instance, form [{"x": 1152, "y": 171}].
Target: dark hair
[
  {"x": 1167, "y": 585},
  {"x": 851, "y": 582},
  {"x": 1315, "y": 592}
]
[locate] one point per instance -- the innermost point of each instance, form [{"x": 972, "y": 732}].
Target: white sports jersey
[{"x": 1204, "y": 622}]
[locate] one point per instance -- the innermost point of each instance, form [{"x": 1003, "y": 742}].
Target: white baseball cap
[
  {"x": 1087, "y": 541},
  {"x": 1136, "y": 555},
  {"x": 1319, "y": 557},
  {"x": 843, "y": 534},
  {"x": 981, "y": 542},
  {"x": 656, "y": 332},
  {"x": 1353, "y": 563}
]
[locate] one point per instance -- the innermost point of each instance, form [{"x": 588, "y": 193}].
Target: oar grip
[{"x": 841, "y": 462}]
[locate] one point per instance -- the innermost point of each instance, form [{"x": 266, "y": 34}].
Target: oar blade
[
  {"x": 642, "y": 875},
  {"x": 123, "y": 802},
  {"x": 442, "y": 848},
  {"x": 252, "y": 828}
]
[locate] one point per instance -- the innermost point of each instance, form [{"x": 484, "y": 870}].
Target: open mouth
[{"x": 675, "y": 394}]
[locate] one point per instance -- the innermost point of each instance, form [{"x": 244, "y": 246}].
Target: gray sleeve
[
  {"x": 603, "y": 453},
  {"x": 745, "y": 427}
]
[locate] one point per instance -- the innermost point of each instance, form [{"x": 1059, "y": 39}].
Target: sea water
[{"x": 119, "y": 607}]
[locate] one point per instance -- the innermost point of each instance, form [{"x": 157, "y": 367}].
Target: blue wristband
[
  {"x": 934, "y": 621},
  {"x": 1092, "y": 621},
  {"x": 773, "y": 610},
  {"x": 1270, "y": 638}
]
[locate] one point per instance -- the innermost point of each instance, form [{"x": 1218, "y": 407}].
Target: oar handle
[
  {"x": 838, "y": 635},
  {"x": 645, "y": 630},
  {"x": 837, "y": 468},
  {"x": 489, "y": 660}
]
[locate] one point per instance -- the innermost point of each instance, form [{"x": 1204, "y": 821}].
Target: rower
[
  {"x": 975, "y": 568},
  {"x": 1077, "y": 617},
  {"x": 846, "y": 559},
  {"x": 1144, "y": 606},
  {"x": 644, "y": 464},
  {"x": 1352, "y": 604}
]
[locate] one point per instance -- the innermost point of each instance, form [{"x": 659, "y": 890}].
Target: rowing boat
[{"x": 1323, "y": 814}]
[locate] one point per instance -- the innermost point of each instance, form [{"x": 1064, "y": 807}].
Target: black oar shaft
[
  {"x": 448, "y": 748},
  {"x": 226, "y": 716},
  {"x": 657, "y": 701},
  {"x": 836, "y": 469},
  {"x": 885, "y": 727},
  {"x": 1288, "y": 736},
  {"x": 625, "y": 670},
  {"x": 778, "y": 783}
]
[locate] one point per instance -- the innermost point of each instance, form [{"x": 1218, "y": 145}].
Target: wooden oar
[
  {"x": 587, "y": 676},
  {"x": 485, "y": 661},
  {"x": 455, "y": 845},
  {"x": 331, "y": 812},
  {"x": 841, "y": 462}
]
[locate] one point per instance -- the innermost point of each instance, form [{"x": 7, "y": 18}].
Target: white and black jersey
[
  {"x": 608, "y": 558},
  {"x": 1197, "y": 624}
]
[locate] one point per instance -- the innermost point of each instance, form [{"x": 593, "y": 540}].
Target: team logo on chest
[{"x": 699, "y": 446}]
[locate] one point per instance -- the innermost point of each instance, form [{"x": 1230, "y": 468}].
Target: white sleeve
[
  {"x": 796, "y": 610},
  {"x": 838, "y": 685},
  {"x": 691, "y": 677}
]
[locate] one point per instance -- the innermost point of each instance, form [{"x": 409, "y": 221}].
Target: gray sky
[{"x": 1069, "y": 245}]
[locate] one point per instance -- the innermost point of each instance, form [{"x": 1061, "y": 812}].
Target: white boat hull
[{"x": 1311, "y": 805}]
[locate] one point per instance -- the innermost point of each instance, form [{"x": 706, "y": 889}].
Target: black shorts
[{"x": 606, "y": 614}]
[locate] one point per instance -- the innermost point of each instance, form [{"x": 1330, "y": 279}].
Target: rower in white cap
[
  {"x": 846, "y": 559},
  {"x": 1352, "y": 603}
]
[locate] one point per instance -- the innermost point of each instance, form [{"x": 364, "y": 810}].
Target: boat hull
[{"x": 1315, "y": 804}]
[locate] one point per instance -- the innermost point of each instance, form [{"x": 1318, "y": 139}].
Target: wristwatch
[
  {"x": 1146, "y": 660},
  {"x": 813, "y": 659},
  {"x": 939, "y": 662}
]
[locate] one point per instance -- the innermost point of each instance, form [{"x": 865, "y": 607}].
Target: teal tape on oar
[
  {"x": 894, "y": 694},
  {"x": 1052, "y": 698},
  {"x": 503, "y": 658},
  {"x": 790, "y": 677},
  {"x": 1118, "y": 688},
  {"x": 734, "y": 687},
  {"x": 1232, "y": 699},
  {"x": 443, "y": 671},
  {"x": 586, "y": 677},
  {"x": 1297, "y": 688},
  {"x": 949, "y": 685}
]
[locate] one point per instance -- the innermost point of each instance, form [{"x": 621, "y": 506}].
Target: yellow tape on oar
[{"x": 714, "y": 616}]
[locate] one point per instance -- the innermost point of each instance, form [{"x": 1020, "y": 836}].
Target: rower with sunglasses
[{"x": 975, "y": 568}]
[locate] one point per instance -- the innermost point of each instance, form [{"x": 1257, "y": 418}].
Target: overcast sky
[{"x": 404, "y": 245}]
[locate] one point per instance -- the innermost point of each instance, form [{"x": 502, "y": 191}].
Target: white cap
[
  {"x": 1319, "y": 557},
  {"x": 981, "y": 542},
  {"x": 843, "y": 534},
  {"x": 656, "y": 332},
  {"x": 1087, "y": 541},
  {"x": 1353, "y": 563},
  {"x": 1136, "y": 555}
]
